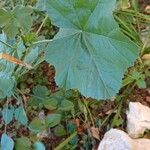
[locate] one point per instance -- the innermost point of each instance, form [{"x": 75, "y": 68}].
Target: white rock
[
  {"x": 116, "y": 139},
  {"x": 43, "y": 134},
  {"x": 142, "y": 144},
  {"x": 138, "y": 119}
]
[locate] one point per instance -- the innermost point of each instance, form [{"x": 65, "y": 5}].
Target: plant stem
[
  {"x": 90, "y": 115},
  {"x": 12, "y": 4},
  {"x": 39, "y": 29},
  {"x": 60, "y": 146},
  {"x": 134, "y": 13},
  {"x": 43, "y": 41},
  {"x": 126, "y": 92},
  {"x": 123, "y": 23}
]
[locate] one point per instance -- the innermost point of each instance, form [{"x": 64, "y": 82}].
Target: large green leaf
[
  {"x": 89, "y": 52},
  {"x": 41, "y": 5}
]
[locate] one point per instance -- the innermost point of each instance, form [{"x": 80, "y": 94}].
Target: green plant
[
  {"x": 84, "y": 45},
  {"x": 92, "y": 50},
  {"x": 92, "y": 54}
]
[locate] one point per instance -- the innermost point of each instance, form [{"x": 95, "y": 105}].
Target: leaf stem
[
  {"x": 12, "y": 4},
  {"x": 39, "y": 29},
  {"x": 43, "y": 41},
  {"x": 90, "y": 115},
  {"x": 134, "y": 13},
  {"x": 60, "y": 146}
]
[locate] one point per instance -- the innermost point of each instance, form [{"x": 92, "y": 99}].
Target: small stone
[
  {"x": 146, "y": 57},
  {"x": 147, "y": 9},
  {"x": 116, "y": 139},
  {"x": 42, "y": 114},
  {"x": 43, "y": 134},
  {"x": 138, "y": 119}
]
